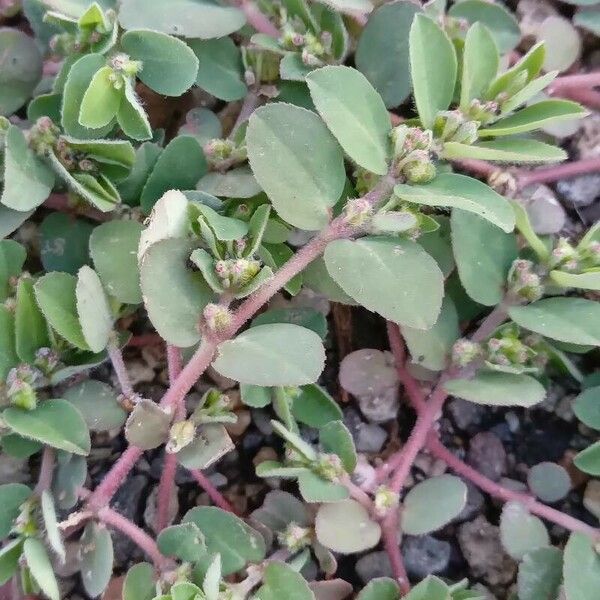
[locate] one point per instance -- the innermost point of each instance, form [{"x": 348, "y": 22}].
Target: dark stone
[
  {"x": 487, "y": 455},
  {"x": 424, "y": 555}
]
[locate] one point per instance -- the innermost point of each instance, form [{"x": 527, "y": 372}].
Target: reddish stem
[
  {"x": 116, "y": 358},
  {"x": 61, "y": 203},
  {"x": 258, "y": 20},
  {"x": 135, "y": 534},
  {"x": 389, "y": 534},
  {"x": 46, "y": 470},
  {"x": 146, "y": 339},
  {"x": 203, "y": 356},
  {"x": 585, "y": 96},
  {"x": 167, "y": 477},
  {"x": 588, "y": 80},
  {"x": 477, "y": 167},
  {"x": 495, "y": 489},
  {"x": 213, "y": 493},
  {"x": 557, "y": 172},
  {"x": 113, "y": 480}
]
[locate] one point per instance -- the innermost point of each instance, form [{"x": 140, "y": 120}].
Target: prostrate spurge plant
[{"x": 487, "y": 309}]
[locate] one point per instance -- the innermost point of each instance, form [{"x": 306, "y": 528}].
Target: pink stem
[
  {"x": 213, "y": 493},
  {"x": 203, "y": 356},
  {"x": 357, "y": 493},
  {"x": 585, "y": 96},
  {"x": 258, "y": 20},
  {"x": 116, "y": 358},
  {"x": 248, "y": 107},
  {"x": 389, "y": 534},
  {"x": 557, "y": 172},
  {"x": 588, "y": 80},
  {"x": 167, "y": 478},
  {"x": 495, "y": 489},
  {"x": 46, "y": 470},
  {"x": 135, "y": 534},
  {"x": 477, "y": 167},
  {"x": 113, "y": 480}
]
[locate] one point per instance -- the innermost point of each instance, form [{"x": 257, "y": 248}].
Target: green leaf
[
  {"x": 221, "y": 70},
  {"x": 139, "y": 583},
  {"x": 275, "y": 256},
  {"x": 236, "y": 183},
  {"x": 589, "y": 280},
  {"x": 432, "y": 504},
  {"x": 64, "y": 242},
  {"x": 333, "y": 530},
  {"x": 588, "y": 460},
  {"x": 55, "y": 295},
  {"x": 113, "y": 247},
  {"x": 97, "y": 403},
  {"x": 130, "y": 188},
  {"x": 433, "y": 67},
  {"x": 398, "y": 279},
  {"x": 9, "y": 559},
  {"x": 382, "y": 51},
  {"x": 27, "y": 180},
  {"x": 11, "y": 220},
  {"x": 529, "y": 91},
  {"x": 354, "y": 113},
  {"x": 179, "y": 167},
  {"x": 498, "y": 389},
  {"x": 255, "y": 396},
  {"x": 314, "y": 407},
  {"x": 54, "y": 422},
  {"x": 12, "y": 495},
  {"x": 101, "y": 101},
  {"x": 96, "y": 558},
  {"x": 52, "y": 531},
  {"x": 148, "y": 425},
  {"x": 225, "y": 228},
  {"x": 305, "y": 317},
  {"x": 278, "y": 136},
  {"x": 587, "y": 407},
  {"x": 92, "y": 309},
  {"x": 169, "y": 65},
  {"x": 281, "y": 581},
  {"x": 315, "y": 489},
  {"x": 431, "y": 348},
  {"x": 508, "y": 150},
  {"x": 202, "y": 19},
  {"x": 8, "y": 353},
  {"x": 381, "y": 588},
  {"x": 31, "y": 330},
  {"x": 466, "y": 193},
  {"x": 173, "y": 294},
  {"x": 479, "y": 64},
  {"x": 430, "y": 588},
  {"x": 69, "y": 476},
  {"x": 211, "y": 443},
  {"x": 236, "y": 542},
  {"x": 540, "y": 574},
  {"x": 12, "y": 259},
  {"x": 131, "y": 115},
  {"x": 278, "y": 354},
  {"x": 535, "y": 116},
  {"x": 78, "y": 81},
  {"x": 483, "y": 255},
  {"x": 501, "y": 22},
  {"x": 573, "y": 320},
  {"x": 184, "y": 541},
  {"x": 280, "y": 509},
  {"x": 521, "y": 532},
  {"x": 581, "y": 568},
  {"x": 40, "y": 567},
  {"x": 350, "y": 6},
  {"x": 335, "y": 438},
  {"x": 317, "y": 278},
  {"x": 20, "y": 69}
]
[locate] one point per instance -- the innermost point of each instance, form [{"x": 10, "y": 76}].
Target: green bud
[
  {"x": 419, "y": 168},
  {"x": 21, "y": 394},
  {"x": 385, "y": 500},
  {"x": 358, "y": 211},
  {"x": 182, "y": 434},
  {"x": 329, "y": 466},
  {"x": 524, "y": 281},
  {"x": 217, "y": 317},
  {"x": 295, "y": 538},
  {"x": 465, "y": 352}
]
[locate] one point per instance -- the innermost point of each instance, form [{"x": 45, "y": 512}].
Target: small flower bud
[
  {"x": 21, "y": 394},
  {"x": 295, "y": 538},
  {"x": 182, "y": 434},
  {"x": 524, "y": 282},
  {"x": 418, "y": 167},
  {"x": 217, "y": 317},
  {"x": 46, "y": 360},
  {"x": 358, "y": 211},
  {"x": 329, "y": 466},
  {"x": 385, "y": 500},
  {"x": 465, "y": 352}
]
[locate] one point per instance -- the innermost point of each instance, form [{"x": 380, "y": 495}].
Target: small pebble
[
  {"x": 580, "y": 191},
  {"x": 487, "y": 455},
  {"x": 373, "y": 565},
  {"x": 591, "y": 497},
  {"x": 425, "y": 555}
]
